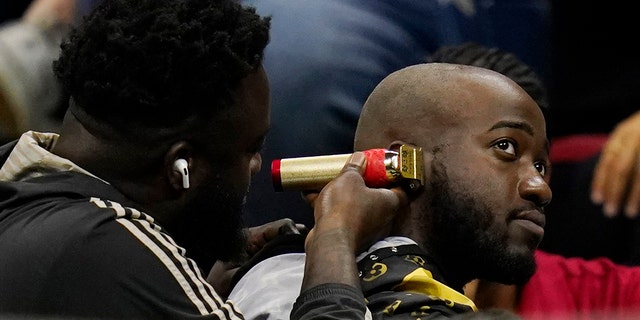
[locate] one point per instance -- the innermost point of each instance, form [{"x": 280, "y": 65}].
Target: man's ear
[
  {"x": 395, "y": 145},
  {"x": 178, "y": 164}
]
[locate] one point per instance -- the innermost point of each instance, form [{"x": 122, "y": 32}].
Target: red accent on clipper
[
  {"x": 276, "y": 177},
  {"x": 375, "y": 174},
  {"x": 384, "y": 168},
  {"x": 313, "y": 173}
]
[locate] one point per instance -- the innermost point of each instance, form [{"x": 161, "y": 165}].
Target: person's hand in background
[
  {"x": 48, "y": 13},
  {"x": 616, "y": 178},
  {"x": 30, "y": 96}
]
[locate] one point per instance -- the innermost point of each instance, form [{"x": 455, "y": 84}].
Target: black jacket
[{"x": 73, "y": 246}]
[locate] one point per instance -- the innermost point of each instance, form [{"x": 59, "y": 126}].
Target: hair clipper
[{"x": 385, "y": 168}]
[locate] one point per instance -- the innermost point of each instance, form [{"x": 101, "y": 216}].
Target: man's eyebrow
[
  {"x": 520, "y": 126},
  {"x": 515, "y": 125}
]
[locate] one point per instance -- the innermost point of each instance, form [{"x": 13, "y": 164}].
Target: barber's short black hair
[
  {"x": 157, "y": 62},
  {"x": 506, "y": 63}
]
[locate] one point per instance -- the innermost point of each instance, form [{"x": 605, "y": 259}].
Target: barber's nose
[{"x": 534, "y": 188}]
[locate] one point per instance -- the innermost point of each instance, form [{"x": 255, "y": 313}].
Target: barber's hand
[
  {"x": 349, "y": 216},
  {"x": 222, "y": 272},
  {"x": 346, "y": 202},
  {"x": 616, "y": 179}
]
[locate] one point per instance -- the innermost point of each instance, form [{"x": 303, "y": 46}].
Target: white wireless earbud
[{"x": 182, "y": 166}]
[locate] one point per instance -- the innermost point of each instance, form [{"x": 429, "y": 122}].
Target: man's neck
[{"x": 488, "y": 295}]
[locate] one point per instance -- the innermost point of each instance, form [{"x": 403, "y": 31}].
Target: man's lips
[
  {"x": 534, "y": 216},
  {"x": 532, "y": 220}
]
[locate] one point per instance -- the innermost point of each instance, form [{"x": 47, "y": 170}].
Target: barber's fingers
[
  {"x": 357, "y": 161},
  {"x": 310, "y": 196},
  {"x": 347, "y": 204}
]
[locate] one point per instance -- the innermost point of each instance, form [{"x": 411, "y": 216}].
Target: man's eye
[
  {"x": 542, "y": 168},
  {"x": 506, "y": 146}
]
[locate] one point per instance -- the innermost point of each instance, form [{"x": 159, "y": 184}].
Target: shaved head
[{"x": 420, "y": 102}]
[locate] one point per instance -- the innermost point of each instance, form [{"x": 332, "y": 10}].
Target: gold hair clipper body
[{"x": 384, "y": 168}]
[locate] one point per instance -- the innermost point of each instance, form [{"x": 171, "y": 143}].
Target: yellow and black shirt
[{"x": 400, "y": 282}]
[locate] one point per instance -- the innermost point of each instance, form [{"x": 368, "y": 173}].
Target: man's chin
[{"x": 518, "y": 271}]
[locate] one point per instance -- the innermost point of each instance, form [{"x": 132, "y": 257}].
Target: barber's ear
[
  {"x": 180, "y": 174},
  {"x": 182, "y": 167},
  {"x": 179, "y": 166}
]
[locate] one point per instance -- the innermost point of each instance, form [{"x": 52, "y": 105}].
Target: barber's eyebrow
[{"x": 515, "y": 125}]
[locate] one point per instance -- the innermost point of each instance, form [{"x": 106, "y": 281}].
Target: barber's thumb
[{"x": 357, "y": 161}]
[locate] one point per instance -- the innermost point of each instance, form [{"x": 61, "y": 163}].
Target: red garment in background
[{"x": 575, "y": 288}]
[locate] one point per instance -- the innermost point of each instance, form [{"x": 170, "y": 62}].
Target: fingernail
[
  {"x": 358, "y": 158},
  {"x": 610, "y": 209},
  {"x": 596, "y": 197},
  {"x": 631, "y": 211}
]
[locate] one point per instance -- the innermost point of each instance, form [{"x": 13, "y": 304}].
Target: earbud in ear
[{"x": 182, "y": 166}]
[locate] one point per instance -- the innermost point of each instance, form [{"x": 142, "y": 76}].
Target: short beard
[
  {"x": 466, "y": 240},
  {"x": 212, "y": 227}
]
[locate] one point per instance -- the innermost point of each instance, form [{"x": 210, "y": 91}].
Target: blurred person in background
[{"x": 30, "y": 36}]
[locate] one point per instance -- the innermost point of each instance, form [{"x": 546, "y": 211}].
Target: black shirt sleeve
[{"x": 329, "y": 301}]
